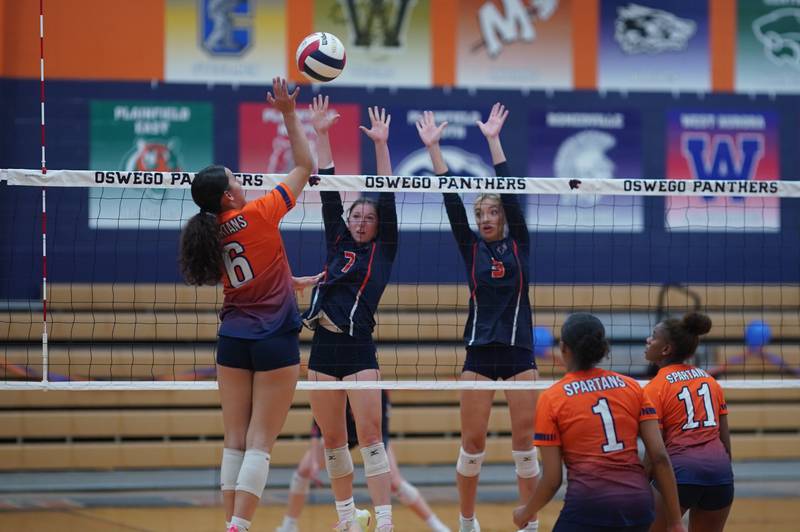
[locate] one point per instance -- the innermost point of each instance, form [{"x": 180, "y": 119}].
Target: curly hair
[
  {"x": 585, "y": 335},
  {"x": 200, "y": 246},
  {"x": 684, "y": 334}
]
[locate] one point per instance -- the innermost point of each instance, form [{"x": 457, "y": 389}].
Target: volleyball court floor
[{"x": 767, "y": 500}]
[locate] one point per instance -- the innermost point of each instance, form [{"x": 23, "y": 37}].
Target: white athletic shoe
[
  {"x": 287, "y": 528},
  {"x": 466, "y": 526},
  {"x": 365, "y": 520}
]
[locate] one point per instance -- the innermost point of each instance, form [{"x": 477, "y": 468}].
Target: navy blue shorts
[
  {"x": 264, "y": 354},
  {"x": 709, "y": 498},
  {"x": 498, "y": 361},
  {"x": 340, "y": 355},
  {"x": 568, "y": 526}
]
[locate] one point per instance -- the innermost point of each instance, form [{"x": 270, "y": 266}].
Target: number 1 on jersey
[{"x": 602, "y": 409}]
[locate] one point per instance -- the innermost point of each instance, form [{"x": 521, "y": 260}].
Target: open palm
[
  {"x": 493, "y": 125},
  {"x": 379, "y": 124},
  {"x": 321, "y": 118},
  {"x": 428, "y": 131}
]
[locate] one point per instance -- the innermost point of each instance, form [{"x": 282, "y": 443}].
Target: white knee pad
[
  {"x": 338, "y": 462},
  {"x": 253, "y": 474},
  {"x": 376, "y": 462},
  {"x": 526, "y": 463},
  {"x": 299, "y": 484},
  {"x": 231, "y": 464},
  {"x": 407, "y": 493},
  {"x": 469, "y": 465}
]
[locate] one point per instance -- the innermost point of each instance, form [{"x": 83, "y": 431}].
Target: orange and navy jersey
[
  {"x": 689, "y": 403},
  {"x": 594, "y": 417},
  {"x": 259, "y": 297}
]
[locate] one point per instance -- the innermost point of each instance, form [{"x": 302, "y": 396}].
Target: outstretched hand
[
  {"x": 379, "y": 124},
  {"x": 497, "y": 117},
  {"x": 519, "y": 517},
  {"x": 321, "y": 119},
  {"x": 429, "y": 132},
  {"x": 280, "y": 98}
]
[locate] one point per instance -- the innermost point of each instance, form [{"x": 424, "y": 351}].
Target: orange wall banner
[
  {"x": 508, "y": 44},
  {"x": 443, "y": 40},
  {"x": 85, "y": 39},
  {"x": 299, "y": 23},
  {"x": 722, "y": 37},
  {"x": 585, "y": 31}
]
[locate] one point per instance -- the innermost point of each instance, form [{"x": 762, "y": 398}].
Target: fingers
[
  {"x": 371, "y": 115},
  {"x": 418, "y": 123},
  {"x": 441, "y": 127},
  {"x": 324, "y": 103},
  {"x": 388, "y": 120}
]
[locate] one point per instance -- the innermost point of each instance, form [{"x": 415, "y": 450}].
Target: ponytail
[{"x": 684, "y": 334}]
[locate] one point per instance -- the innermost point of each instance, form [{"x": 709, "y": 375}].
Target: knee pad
[
  {"x": 376, "y": 461},
  {"x": 299, "y": 484},
  {"x": 253, "y": 473},
  {"x": 338, "y": 462},
  {"x": 407, "y": 493},
  {"x": 526, "y": 462},
  {"x": 469, "y": 465},
  {"x": 229, "y": 472}
]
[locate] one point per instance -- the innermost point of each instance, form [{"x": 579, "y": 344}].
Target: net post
[{"x": 45, "y": 356}]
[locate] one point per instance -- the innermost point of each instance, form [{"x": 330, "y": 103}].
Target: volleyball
[{"x": 321, "y": 57}]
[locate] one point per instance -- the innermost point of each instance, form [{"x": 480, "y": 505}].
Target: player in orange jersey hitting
[
  {"x": 258, "y": 354},
  {"x": 590, "y": 420},
  {"x": 694, "y": 421}
]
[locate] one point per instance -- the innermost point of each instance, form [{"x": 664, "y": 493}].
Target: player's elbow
[{"x": 659, "y": 459}]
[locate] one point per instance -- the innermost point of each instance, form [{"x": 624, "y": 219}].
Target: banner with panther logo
[
  {"x": 264, "y": 148},
  {"x": 584, "y": 146},
  {"x": 464, "y": 149},
  {"x": 387, "y": 42},
  {"x": 654, "y": 45},
  {"x": 768, "y": 46},
  {"x": 228, "y": 41},
  {"x": 514, "y": 43},
  {"x": 712, "y": 146},
  {"x": 147, "y": 136}
]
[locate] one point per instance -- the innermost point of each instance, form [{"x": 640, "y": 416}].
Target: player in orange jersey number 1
[{"x": 590, "y": 420}]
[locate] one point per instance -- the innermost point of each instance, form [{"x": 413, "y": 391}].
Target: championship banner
[
  {"x": 147, "y": 136},
  {"x": 654, "y": 45},
  {"x": 768, "y": 46},
  {"x": 387, "y": 42},
  {"x": 514, "y": 43},
  {"x": 585, "y": 146},
  {"x": 264, "y": 148},
  {"x": 228, "y": 41},
  {"x": 731, "y": 146},
  {"x": 464, "y": 149}
]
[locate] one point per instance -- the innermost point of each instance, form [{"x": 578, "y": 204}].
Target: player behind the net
[
  {"x": 498, "y": 330},
  {"x": 360, "y": 254}
]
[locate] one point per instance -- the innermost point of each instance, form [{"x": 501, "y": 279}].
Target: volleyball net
[{"x": 92, "y": 296}]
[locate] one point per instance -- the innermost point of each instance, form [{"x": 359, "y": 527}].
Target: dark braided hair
[
  {"x": 200, "y": 248},
  {"x": 684, "y": 334},
  {"x": 585, "y": 335}
]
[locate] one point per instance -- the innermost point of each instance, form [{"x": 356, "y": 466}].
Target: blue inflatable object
[
  {"x": 757, "y": 334},
  {"x": 542, "y": 341}
]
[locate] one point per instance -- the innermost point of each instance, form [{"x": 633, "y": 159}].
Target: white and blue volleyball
[{"x": 321, "y": 57}]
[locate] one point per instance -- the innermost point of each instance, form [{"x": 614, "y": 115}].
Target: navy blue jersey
[
  {"x": 355, "y": 274},
  {"x": 499, "y": 308}
]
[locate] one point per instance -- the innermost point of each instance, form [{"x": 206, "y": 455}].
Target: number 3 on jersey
[{"x": 236, "y": 265}]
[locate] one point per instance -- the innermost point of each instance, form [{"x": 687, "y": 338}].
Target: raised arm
[
  {"x": 517, "y": 227},
  {"x": 322, "y": 119},
  {"x": 332, "y": 209},
  {"x": 431, "y": 134},
  {"x": 378, "y": 132},
  {"x": 285, "y": 103}
]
